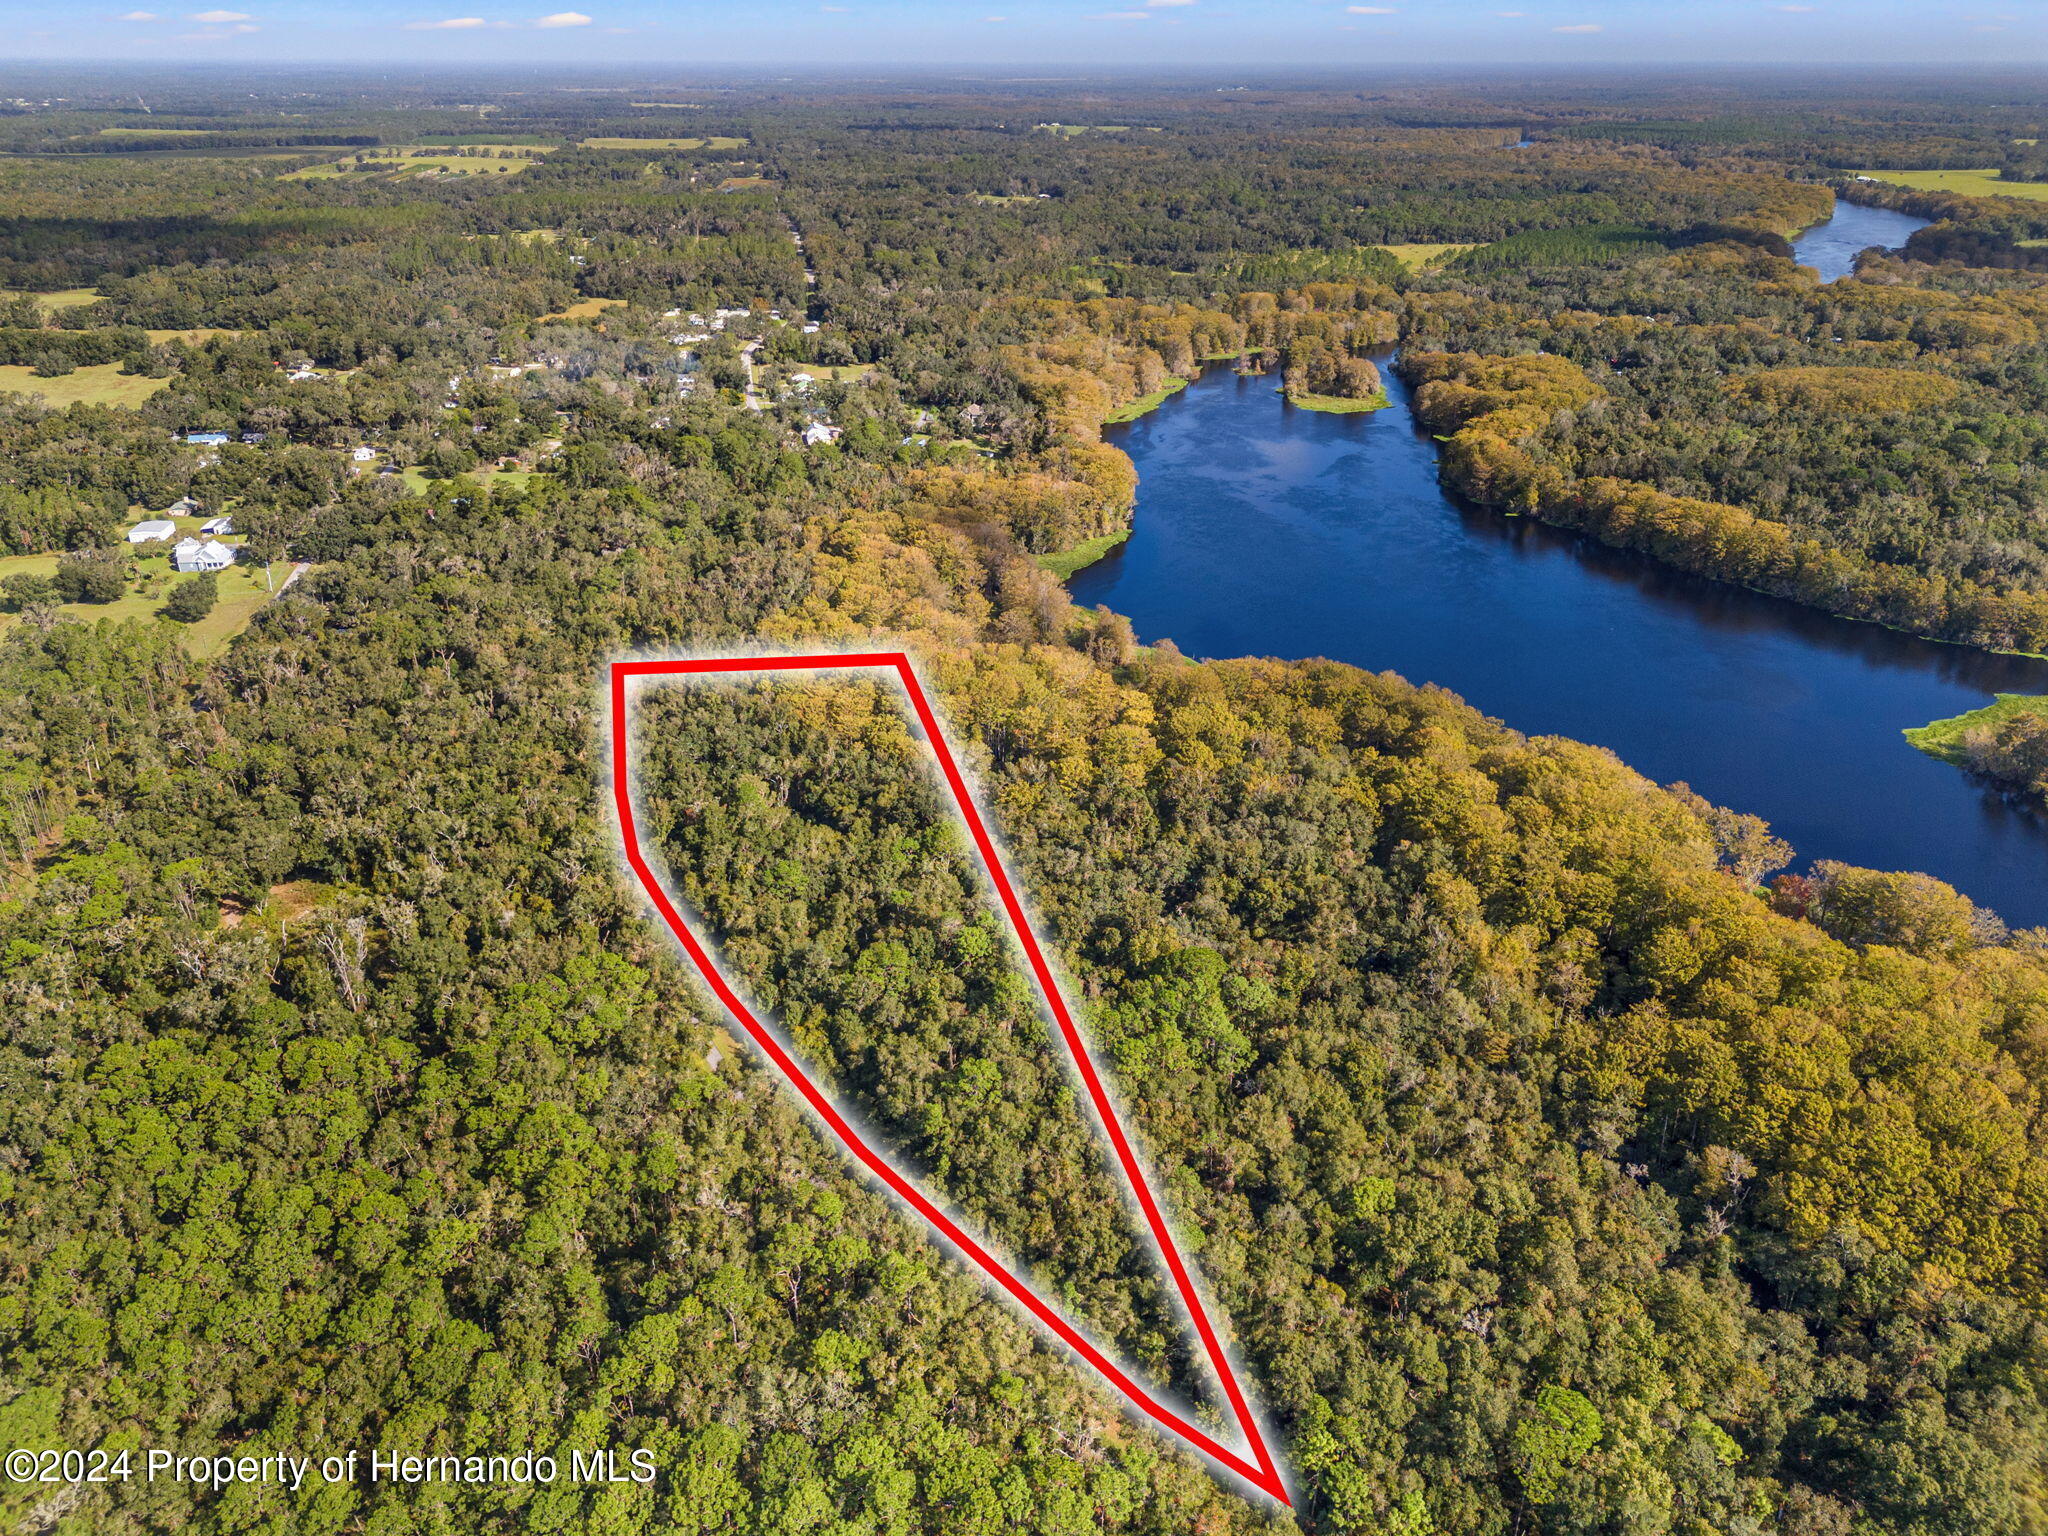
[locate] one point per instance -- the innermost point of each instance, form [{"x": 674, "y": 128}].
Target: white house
[
  {"x": 362, "y": 455},
  {"x": 150, "y": 529},
  {"x": 217, "y": 525},
  {"x": 802, "y": 380},
  {"x": 191, "y": 555},
  {"x": 820, "y": 432}
]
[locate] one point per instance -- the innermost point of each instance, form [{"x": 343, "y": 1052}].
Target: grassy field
[
  {"x": 1942, "y": 738},
  {"x": 1981, "y": 183},
  {"x": 101, "y": 384},
  {"x": 242, "y": 592},
  {"x": 1416, "y": 257},
  {"x": 1065, "y": 562},
  {"x": 744, "y": 183},
  {"x": 1340, "y": 405},
  {"x": 839, "y": 373},
  {"x": 487, "y": 140},
  {"x": 1150, "y": 402},
  {"x": 416, "y": 479},
  {"x": 156, "y": 133},
  {"x": 195, "y": 335},
  {"x": 715, "y": 141},
  {"x": 584, "y": 309},
  {"x": 415, "y": 160},
  {"x": 61, "y": 298}
]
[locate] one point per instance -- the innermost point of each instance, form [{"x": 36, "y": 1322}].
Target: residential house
[
  {"x": 821, "y": 432},
  {"x": 151, "y": 529},
  {"x": 362, "y": 455},
  {"x": 215, "y": 526},
  {"x": 206, "y": 439},
  {"x": 193, "y": 555},
  {"x": 184, "y": 506}
]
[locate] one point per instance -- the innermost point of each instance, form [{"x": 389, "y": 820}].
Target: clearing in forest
[
  {"x": 417, "y": 160},
  {"x": 60, "y": 298},
  {"x": 1982, "y": 182},
  {"x": 715, "y": 141},
  {"x": 1417, "y": 256},
  {"x": 94, "y": 384},
  {"x": 243, "y": 589}
]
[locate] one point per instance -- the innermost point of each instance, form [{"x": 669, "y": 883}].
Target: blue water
[
  {"x": 1834, "y": 246},
  {"x": 1270, "y": 531}
]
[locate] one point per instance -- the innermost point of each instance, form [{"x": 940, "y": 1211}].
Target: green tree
[
  {"x": 90, "y": 579},
  {"x": 193, "y": 600},
  {"x": 19, "y": 592},
  {"x": 1552, "y": 1438}
]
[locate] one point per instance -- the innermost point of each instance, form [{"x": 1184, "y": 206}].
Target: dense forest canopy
[{"x": 1562, "y": 1161}]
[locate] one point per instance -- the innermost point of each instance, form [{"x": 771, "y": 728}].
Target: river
[
  {"x": 1833, "y": 247},
  {"x": 1270, "y": 531}
]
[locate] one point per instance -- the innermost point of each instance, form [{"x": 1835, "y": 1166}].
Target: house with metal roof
[{"x": 192, "y": 555}]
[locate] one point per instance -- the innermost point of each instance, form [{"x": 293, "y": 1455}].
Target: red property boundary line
[{"x": 1261, "y": 1471}]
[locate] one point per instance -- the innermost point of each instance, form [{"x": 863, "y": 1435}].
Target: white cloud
[
  {"x": 1369, "y": 10},
  {"x": 452, "y": 24},
  {"x": 1156, "y": 4},
  {"x": 219, "y": 18},
  {"x": 564, "y": 19},
  {"x": 1121, "y": 16},
  {"x": 1584, "y": 26},
  {"x": 140, "y": 16}
]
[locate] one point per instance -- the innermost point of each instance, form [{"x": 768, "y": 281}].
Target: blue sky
[{"x": 996, "y": 32}]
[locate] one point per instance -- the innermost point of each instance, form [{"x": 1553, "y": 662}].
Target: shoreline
[
  {"x": 1339, "y": 405},
  {"x": 1939, "y": 738}
]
